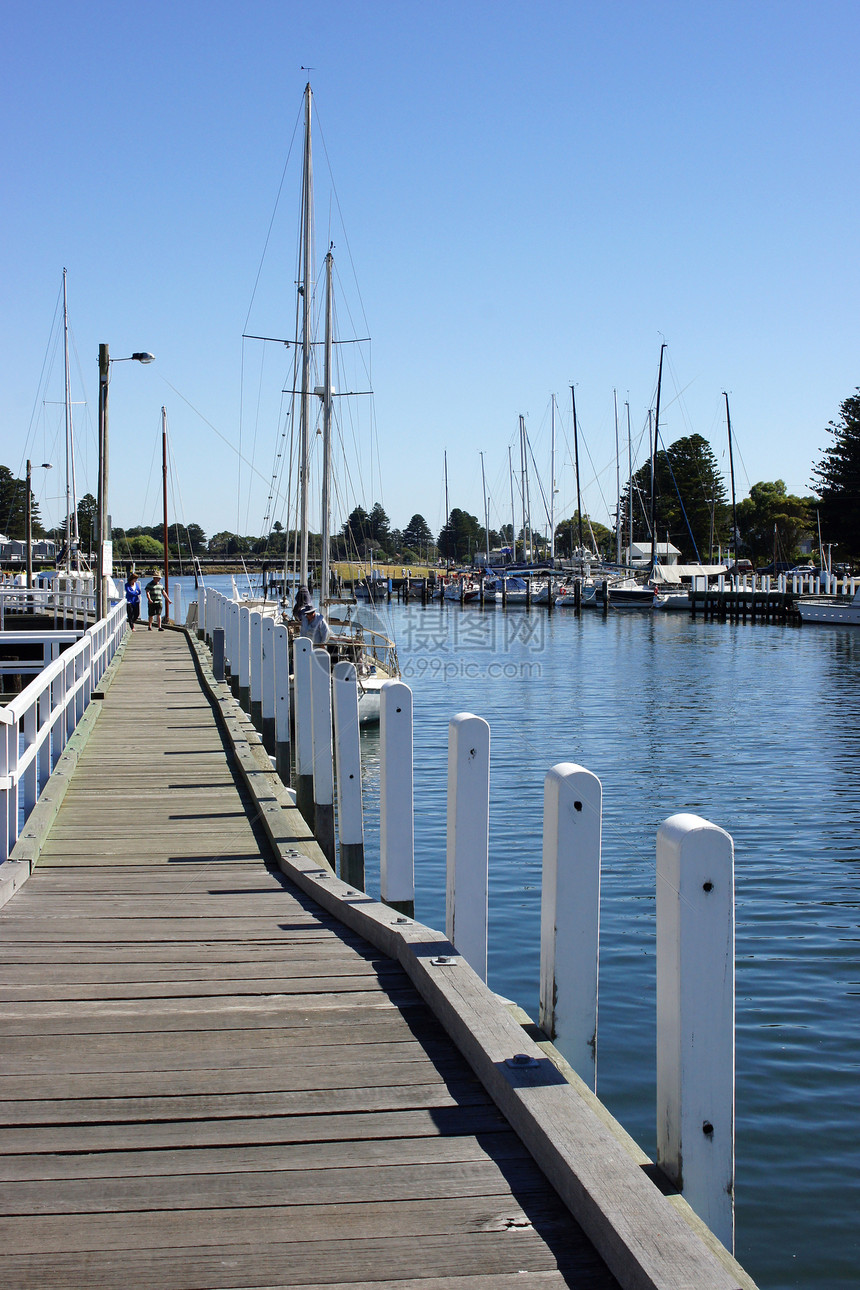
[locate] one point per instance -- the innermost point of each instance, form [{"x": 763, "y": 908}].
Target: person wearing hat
[
  {"x": 303, "y": 598},
  {"x": 155, "y": 597},
  {"x": 314, "y": 626}
]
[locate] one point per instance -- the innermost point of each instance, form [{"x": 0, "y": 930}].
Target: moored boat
[{"x": 830, "y": 609}]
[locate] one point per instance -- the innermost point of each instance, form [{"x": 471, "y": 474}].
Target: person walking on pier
[
  {"x": 155, "y": 596},
  {"x": 132, "y": 599}
]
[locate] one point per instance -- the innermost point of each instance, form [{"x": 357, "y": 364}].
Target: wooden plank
[
  {"x": 501, "y": 1146},
  {"x": 191, "y": 1015},
  {"x": 216, "y": 1094},
  {"x": 342, "y": 1099},
  {"x": 315, "y": 1186},
  {"x": 223, "y": 1226},
  {"x": 191, "y": 1051},
  {"x": 345, "y": 1128},
  {"x": 307, "y": 980},
  {"x": 273, "y": 1264}
]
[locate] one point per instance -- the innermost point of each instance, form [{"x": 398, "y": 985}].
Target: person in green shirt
[{"x": 155, "y": 597}]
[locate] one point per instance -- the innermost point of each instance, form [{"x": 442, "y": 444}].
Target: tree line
[{"x": 691, "y": 510}]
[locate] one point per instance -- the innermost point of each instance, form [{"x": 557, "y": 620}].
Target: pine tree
[
  {"x": 690, "y": 499},
  {"x": 836, "y": 479},
  {"x": 13, "y": 506}
]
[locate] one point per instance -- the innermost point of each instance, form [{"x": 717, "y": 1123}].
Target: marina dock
[{"x": 222, "y": 1066}]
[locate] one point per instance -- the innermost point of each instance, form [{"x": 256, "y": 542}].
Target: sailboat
[
  {"x": 72, "y": 576},
  {"x": 364, "y": 644}
]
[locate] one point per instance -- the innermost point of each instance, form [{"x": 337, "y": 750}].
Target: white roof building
[{"x": 639, "y": 553}]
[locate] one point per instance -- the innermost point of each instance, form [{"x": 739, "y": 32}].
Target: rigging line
[
  {"x": 681, "y": 504},
  {"x": 148, "y": 481},
  {"x": 255, "y": 434},
  {"x": 277, "y": 470},
  {"x": 358, "y": 341},
  {"x": 321, "y": 135},
  {"x": 272, "y": 221},
  {"x": 39, "y": 395},
  {"x": 213, "y": 428},
  {"x": 596, "y": 477},
  {"x": 537, "y": 476}
]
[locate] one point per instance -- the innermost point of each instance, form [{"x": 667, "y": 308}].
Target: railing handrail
[
  {"x": 45, "y": 714},
  {"x": 32, "y": 691}
]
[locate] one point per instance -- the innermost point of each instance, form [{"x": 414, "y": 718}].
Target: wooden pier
[
  {"x": 744, "y": 604},
  {"x": 221, "y": 1066}
]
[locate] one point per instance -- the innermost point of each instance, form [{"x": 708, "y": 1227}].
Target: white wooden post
[
  {"x": 323, "y": 756},
  {"x": 350, "y": 825},
  {"x": 468, "y": 838},
  {"x": 267, "y": 698},
  {"x": 58, "y": 724},
  {"x": 396, "y": 806},
  {"x": 201, "y": 614},
  {"x": 255, "y": 667},
  {"x": 281, "y": 651},
  {"x": 245, "y": 657},
  {"x": 233, "y": 646},
  {"x": 8, "y": 782},
  {"x": 304, "y": 736},
  {"x": 696, "y": 1015},
  {"x": 570, "y": 914}
]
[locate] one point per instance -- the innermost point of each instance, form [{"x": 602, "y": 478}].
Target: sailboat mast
[
  {"x": 486, "y": 510},
  {"x": 732, "y": 474},
  {"x": 654, "y": 465},
  {"x": 327, "y": 401},
  {"x": 617, "y": 484},
  {"x": 68, "y": 398},
  {"x": 552, "y": 486},
  {"x": 164, "y": 505},
  {"x": 576, "y": 466},
  {"x": 523, "y": 485},
  {"x": 513, "y": 509},
  {"x": 528, "y": 494},
  {"x": 305, "y": 289},
  {"x": 629, "y": 488},
  {"x": 448, "y": 543}
]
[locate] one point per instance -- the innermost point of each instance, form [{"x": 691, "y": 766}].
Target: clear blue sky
[{"x": 533, "y": 195}]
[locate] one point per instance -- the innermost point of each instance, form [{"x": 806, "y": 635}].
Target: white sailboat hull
[{"x": 841, "y": 613}]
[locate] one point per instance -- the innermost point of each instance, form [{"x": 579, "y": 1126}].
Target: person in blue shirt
[{"x": 132, "y": 600}]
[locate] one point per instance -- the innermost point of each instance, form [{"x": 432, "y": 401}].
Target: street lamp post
[{"x": 104, "y": 380}]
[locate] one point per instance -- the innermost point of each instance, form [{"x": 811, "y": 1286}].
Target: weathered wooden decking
[{"x": 207, "y": 1081}]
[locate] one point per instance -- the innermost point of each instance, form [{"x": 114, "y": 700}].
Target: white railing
[
  {"x": 67, "y": 608},
  {"x": 36, "y": 724},
  {"x": 695, "y": 884},
  {"x": 797, "y": 584},
  {"x": 49, "y": 644}
]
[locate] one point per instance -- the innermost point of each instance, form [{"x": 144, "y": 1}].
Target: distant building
[
  {"x": 14, "y": 550},
  {"x": 639, "y": 554}
]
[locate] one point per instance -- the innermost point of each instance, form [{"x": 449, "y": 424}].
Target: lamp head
[{"x": 144, "y": 358}]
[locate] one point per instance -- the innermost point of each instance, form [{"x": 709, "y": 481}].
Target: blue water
[{"x": 753, "y": 727}]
